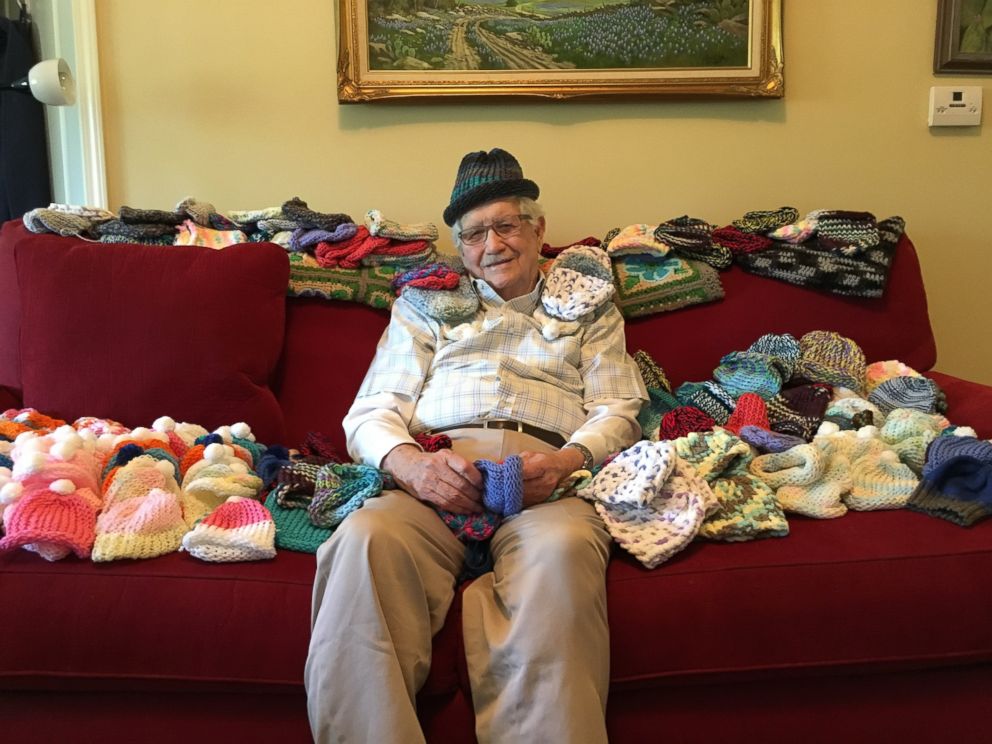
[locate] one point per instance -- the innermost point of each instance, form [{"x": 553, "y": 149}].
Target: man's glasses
[{"x": 505, "y": 227}]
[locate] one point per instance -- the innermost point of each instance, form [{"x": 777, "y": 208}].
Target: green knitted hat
[{"x": 484, "y": 176}]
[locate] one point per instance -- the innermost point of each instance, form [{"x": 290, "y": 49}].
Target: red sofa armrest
[{"x": 968, "y": 403}]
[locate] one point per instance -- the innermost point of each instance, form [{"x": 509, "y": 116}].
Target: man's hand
[
  {"x": 442, "y": 478},
  {"x": 543, "y": 471}
]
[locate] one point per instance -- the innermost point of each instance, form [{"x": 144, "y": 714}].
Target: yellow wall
[{"x": 234, "y": 102}]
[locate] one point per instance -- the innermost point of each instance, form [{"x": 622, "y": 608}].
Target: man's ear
[{"x": 539, "y": 229}]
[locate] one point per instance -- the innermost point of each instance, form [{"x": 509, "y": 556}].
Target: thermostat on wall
[{"x": 955, "y": 106}]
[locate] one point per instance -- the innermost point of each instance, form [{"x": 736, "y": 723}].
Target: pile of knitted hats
[
  {"x": 684, "y": 237},
  {"x": 838, "y": 251},
  {"x": 378, "y": 242},
  {"x": 100, "y": 490}
]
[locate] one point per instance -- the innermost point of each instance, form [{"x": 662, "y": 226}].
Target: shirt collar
[{"x": 524, "y": 304}]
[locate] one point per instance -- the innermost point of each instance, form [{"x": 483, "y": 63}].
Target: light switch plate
[{"x": 955, "y": 106}]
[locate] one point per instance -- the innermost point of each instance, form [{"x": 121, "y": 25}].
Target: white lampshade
[{"x": 51, "y": 82}]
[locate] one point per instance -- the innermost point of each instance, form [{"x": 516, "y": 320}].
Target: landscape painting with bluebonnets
[{"x": 557, "y": 34}]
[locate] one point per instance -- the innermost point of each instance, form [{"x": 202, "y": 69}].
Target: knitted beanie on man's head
[{"x": 484, "y": 176}]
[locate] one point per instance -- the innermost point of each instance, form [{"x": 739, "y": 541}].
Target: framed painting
[
  {"x": 558, "y": 49},
  {"x": 964, "y": 37}
]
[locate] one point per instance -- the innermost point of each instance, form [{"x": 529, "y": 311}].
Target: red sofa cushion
[
  {"x": 10, "y": 310},
  {"x": 107, "y": 330}
]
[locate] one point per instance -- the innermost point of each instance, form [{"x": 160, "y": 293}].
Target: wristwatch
[{"x": 587, "y": 458}]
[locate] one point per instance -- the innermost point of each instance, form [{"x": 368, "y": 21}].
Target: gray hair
[{"x": 525, "y": 204}]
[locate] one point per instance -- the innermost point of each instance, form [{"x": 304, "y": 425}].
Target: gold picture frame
[{"x": 559, "y": 49}]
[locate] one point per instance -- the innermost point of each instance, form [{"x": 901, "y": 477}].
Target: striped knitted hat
[
  {"x": 142, "y": 527},
  {"x": 828, "y": 357},
  {"x": 484, "y": 176},
  {"x": 237, "y": 530}
]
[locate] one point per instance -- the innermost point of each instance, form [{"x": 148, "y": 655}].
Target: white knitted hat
[
  {"x": 633, "y": 477},
  {"x": 666, "y": 523}
]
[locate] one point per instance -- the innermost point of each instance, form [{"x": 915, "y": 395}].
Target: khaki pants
[{"x": 535, "y": 629}]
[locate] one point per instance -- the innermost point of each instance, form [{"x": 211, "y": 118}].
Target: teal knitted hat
[{"x": 484, "y": 176}]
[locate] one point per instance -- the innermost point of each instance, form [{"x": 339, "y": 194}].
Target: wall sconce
[{"x": 50, "y": 81}]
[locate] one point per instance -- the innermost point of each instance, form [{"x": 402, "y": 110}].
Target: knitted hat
[
  {"x": 738, "y": 241},
  {"x": 485, "y": 176},
  {"x": 909, "y": 432},
  {"x": 689, "y": 238},
  {"x": 579, "y": 283},
  {"x": 850, "y": 444},
  {"x": 144, "y": 527},
  {"x": 432, "y": 276},
  {"x": 635, "y": 240},
  {"x": 377, "y": 224},
  {"x": 502, "y": 485},
  {"x": 709, "y": 397},
  {"x": 747, "y": 507},
  {"x": 341, "y": 489},
  {"x": 769, "y": 441},
  {"x": 878, "y": 372},
  {"x": 957, "y": 481},
  {"x": 651, "y": 372},
  {"x": 217, "y": 477},
  {"x": 844, "y": 410},
  {"x": 783, "y": 347},
  {"x": 849, "y": 233},
  {"x": 667, "y": 522},
  {"x": 759, "y": 221},
  {"x": 137, "y": 478},
  {"x": 919, "y": 393},
  {"x": 805, "y": 480},
  {"x": 750, "y": 411},
  {"x": 635, "y": 476},
  {"x": 294, "y": 530},
  {"x": 828, "y": 357},
  {"x": 750, "y": 372},
  {"x": 799, "y": 231},
  {"x": 681, "y": 421},
  {"x": 446, "y": 306},
  {"x": 297, "y": 211},
  {"x": 237, "y": 530},
  {"x": 52, "y": 521},
  {"x": 798, "y": 410},
  {"x": 880, "y": 482}
]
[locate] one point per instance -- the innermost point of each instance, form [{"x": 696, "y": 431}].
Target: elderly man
[{"x": 535, "y": 628}]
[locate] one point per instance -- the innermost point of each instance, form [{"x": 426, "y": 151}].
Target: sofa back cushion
[
  {"x": 10, "y": 311},
  {"x": 134, "y": 332},
  {"x": 688, "y": 343}
]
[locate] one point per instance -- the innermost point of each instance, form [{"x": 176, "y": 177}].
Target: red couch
[{"x": 875, "y": 626}]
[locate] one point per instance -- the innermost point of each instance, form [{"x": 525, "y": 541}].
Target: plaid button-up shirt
[{"x": 428, "y": 375}]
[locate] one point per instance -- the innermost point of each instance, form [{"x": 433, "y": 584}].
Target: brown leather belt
[{"x": 551, "y": 437}]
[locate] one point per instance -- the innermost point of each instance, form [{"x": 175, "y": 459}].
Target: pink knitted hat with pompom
[{"x": 52, "y": 521}]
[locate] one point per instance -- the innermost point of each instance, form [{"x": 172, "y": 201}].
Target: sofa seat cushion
[
  {"x": 133, "y": 332},
  {"x": 870, "y": 591},
  {"x": 172, "y": 622}
]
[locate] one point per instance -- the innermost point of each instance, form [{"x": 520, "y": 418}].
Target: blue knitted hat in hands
[{"x": 484, "y": 176}]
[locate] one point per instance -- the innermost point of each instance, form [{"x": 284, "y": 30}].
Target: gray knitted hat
[{"x": 484, "y": 176}]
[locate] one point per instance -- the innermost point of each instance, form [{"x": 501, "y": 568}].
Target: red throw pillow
[{"x": 133, "y": 332}]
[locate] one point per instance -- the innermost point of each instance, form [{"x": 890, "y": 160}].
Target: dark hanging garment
[{"x": 24, "y": 180}]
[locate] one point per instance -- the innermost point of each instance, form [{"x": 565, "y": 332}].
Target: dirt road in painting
[
  {"x": 514, "y": 56},
  {"x": 463, "y": 56}
]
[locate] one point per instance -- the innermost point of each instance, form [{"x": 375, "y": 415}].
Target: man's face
[{"x": 510, "y": 262}]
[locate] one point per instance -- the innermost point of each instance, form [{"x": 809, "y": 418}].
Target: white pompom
[
  {"x": 63, "y": 486},
  {"x": 25, "y": 436},
  {"x": 216, "y": 452},
  {"x": 965, "y": 431},
  {"x": 10, "y": 493},
  {"x": 868, "y": 432},
  {"x": 164, "y": 424},
  {"x": 29, "y": 463},
  {"x": 106, "y": 442},
  {"x": 67, "y": 448},
  {"x": 827, "y": 428},
  {"x": 140, "y": 432},
  {"x": 224, "y": 432},
  {"x": 242, "y": 431},
  {"x": 64, "y": 432},
  {"x": 87, "y": 436}
]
